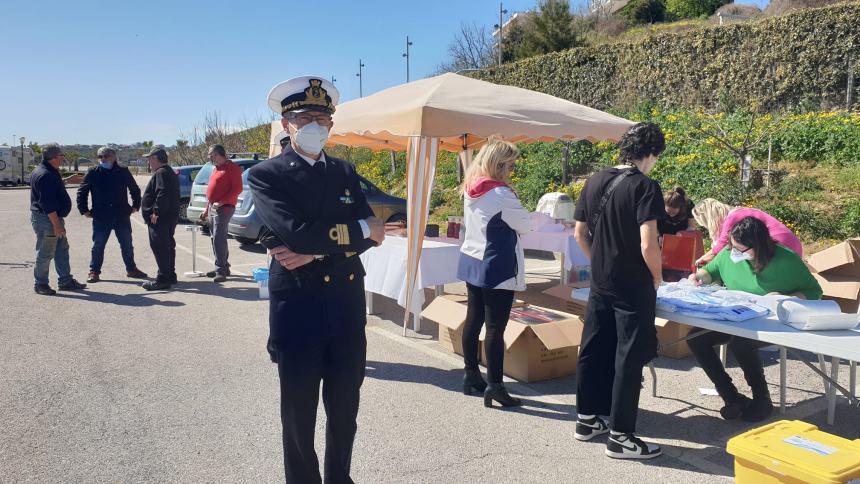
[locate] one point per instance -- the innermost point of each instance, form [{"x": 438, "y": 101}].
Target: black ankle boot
[
  {"x": 473, "y": 381},
  {"x": 735, "y": 406},
  {"x": 499, "y": 393},
  {"x": 760, "y": 408}
]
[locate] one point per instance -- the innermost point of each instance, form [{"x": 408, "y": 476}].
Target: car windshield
[{"x": 203, "y": 175}]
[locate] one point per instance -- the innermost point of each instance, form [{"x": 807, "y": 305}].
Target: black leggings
[{"x": 494, "y": 307}]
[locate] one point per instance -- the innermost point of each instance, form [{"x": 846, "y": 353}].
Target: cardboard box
[
  {"x": 563, "y": 294},
  {"x": 449, "y": 312},
  {"x": 840, "y": 260},
  {"x": 540, "y": 344},
  {"x": 667, "y": 331},
  {"x": 838, "y": 286}
]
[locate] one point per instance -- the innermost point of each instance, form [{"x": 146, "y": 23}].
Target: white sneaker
[
  {"x": 589, "y": 429},
  {"x": 628, "y": 446}
]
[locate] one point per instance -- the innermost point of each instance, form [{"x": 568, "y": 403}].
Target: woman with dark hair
[
  {"x": 679, "y": 209},
  {"x": 616, "y": 227},
  {"x": 751, "y": 262}
]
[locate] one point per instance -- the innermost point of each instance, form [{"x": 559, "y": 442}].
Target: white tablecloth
[
  {"x": 386, "y": 268},
  {"x": 562, "y": 242}
]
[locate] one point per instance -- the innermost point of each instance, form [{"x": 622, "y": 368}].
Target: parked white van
[{"x": 10, "y": 165}]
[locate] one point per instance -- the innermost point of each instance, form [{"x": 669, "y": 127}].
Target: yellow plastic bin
[{"x": 791, "y": 451}]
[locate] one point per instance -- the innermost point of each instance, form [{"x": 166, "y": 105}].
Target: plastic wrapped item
[{"x": 557, "y": 205}]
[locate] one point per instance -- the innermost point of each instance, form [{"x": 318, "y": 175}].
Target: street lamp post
[
  {"x": 408, "y": 43},
  {"x": 360, "y": 88},
  {"x": 22, "y": 159},
  {"x": 502, "y": 11},
  {"x": 333, "y": 80}
]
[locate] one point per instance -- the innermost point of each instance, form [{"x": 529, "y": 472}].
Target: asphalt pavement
[{"x": 116, "y": 384}]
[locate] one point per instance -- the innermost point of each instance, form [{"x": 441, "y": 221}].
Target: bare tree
[{"x": 472, "y": 48}]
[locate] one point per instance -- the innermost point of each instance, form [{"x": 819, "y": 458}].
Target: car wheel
[
  {"x": 397, "y": 217},
  {"x": 183, "y": 210},
  {"x": 246, "y": 240}
]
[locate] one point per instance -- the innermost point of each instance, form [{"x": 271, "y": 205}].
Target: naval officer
[{"x": 317, "y": 222}]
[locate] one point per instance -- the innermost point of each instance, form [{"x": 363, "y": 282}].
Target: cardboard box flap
[
  {"x": 843, "y": 258},
  {"x": 513, "y": 331},
  {"x": 838, "y": 286},
  {"x": 446, "y": 312},
  {"x": 558, "y": 335},
  {"x": 561, "y": 292},
  {"x": 660, "y": 322}
]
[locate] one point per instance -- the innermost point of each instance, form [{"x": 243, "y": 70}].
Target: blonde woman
[
  {"x": 491, "y": 263},
  {"x": 719, "y": 219}
]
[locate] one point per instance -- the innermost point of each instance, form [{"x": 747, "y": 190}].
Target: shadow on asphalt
[
  {"x": 131, "y": 300},
  {"x": 137, "y": 297}
]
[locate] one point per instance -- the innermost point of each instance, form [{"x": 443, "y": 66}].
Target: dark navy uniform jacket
[{"x": 317, "y": 215}]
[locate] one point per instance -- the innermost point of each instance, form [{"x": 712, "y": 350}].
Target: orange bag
[{"x": 681, "y": 251}]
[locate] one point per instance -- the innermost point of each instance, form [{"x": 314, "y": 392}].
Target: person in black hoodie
[
  {"x": 160, "y": 210},
  {"x": 110, "y": 185},
  {"x": 50, "y": 204}
]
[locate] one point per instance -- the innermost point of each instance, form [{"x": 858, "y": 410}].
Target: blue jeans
[
  {"x": 101, "y": 233},
  {"x": 48, "y": 247}
]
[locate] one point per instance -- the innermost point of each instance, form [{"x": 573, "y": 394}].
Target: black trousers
[
  {"x": 492, "y": 306},
  {"x": 745, "y": 352},
  {"x": 618, "y": 340},
  {"x": 339, "y": 363},
  {"x": 163, "y": 245}
]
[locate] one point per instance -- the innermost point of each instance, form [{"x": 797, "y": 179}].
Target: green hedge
[{"x": 794, "y": 61}]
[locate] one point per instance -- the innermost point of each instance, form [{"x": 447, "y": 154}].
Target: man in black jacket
[
  {"x": 110, "y": 185},
  {"x": 318, "y": 221},
  {"x": 50, "y": 204},
  {"x": 160, "y": 210}
]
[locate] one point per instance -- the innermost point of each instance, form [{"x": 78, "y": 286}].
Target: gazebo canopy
[{"x": 462, "y": 112}]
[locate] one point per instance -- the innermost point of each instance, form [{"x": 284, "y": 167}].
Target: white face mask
[
  {"x": 311, "y": 138},
  {"x": 737, "y": 256}
]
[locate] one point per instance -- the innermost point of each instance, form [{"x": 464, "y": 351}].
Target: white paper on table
[{"x": 799, "y": 311}]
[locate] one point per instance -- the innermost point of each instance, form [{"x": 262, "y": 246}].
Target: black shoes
[
  {"x": 500, "y": 394},
  {"x": 217, "y": 273},
  {"x": 156, "y": 285},
  {"x": 72, "y": 285},
  {"x": 219, "y": 278},
  {"x": 735, "y": 406},
  {"x": 628, "y": 446},
  {"x": 760, "y": 408},
  {"x": 136, "y": 274},
  {"x": 590, "y": 428},
  {"x": 44, "y": 290},
  {"x": 473, "y": 381}
]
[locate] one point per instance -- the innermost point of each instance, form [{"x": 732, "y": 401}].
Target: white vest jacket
[{"x": 491, "y": 256}]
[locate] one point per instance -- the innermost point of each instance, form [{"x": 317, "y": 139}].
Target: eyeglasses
[
  {"x": 321, "y": 119},
  {"x": 741, "y": 251}
]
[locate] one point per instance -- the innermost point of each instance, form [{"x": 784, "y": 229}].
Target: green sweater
[{"x": 785, "y": 274}]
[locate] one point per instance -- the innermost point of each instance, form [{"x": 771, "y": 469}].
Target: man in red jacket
[{"x": 223, "y": 191}]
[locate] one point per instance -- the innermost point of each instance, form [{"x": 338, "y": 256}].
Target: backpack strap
[{"x": 595, "y": 217}]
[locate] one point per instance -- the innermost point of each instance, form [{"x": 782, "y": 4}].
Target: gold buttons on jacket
[
  {"x": 351, "y": 277},
  {"x": 327, "y": 279}
]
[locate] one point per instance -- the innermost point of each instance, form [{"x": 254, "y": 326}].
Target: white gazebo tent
[{"x": 457, "y": 113}]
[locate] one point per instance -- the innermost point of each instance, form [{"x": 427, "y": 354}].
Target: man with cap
[
  {"x": 160, "y": 210},
  {"x": 317, "y": 221},
  {"x": 50, "y": 204},
  {"x": 110, "y": 185}
]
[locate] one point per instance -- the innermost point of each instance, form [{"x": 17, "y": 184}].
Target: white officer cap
[{"x": 305, "y": 93}]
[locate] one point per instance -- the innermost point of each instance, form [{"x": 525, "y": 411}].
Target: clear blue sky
[{"x": 97, "y": 71}]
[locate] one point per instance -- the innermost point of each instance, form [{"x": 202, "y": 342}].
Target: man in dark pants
[
  {"x": 110, "y": 185},
  {"x": 318, "y": 221},
  {"x": 160, "y": 209},
  {"x": 616, "y": 227},
  {"x": 50, "y": 204}
]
